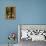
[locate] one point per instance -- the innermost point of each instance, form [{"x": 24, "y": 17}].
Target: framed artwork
[{"x": 11, "y": 12}]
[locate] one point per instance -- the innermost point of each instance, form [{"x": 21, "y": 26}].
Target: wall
[
  {"x": 31, "y": 11},
  {"x": 27, "y": 12},
  {"x": 6, "y": 26}
]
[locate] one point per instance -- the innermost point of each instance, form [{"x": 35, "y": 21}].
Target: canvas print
[{"x": 11, "y": 12}]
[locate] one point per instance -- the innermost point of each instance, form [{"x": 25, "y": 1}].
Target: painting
[{"x": 10, "y": 12}]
